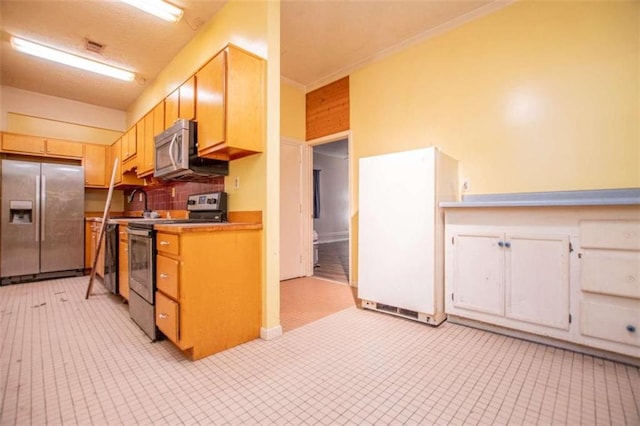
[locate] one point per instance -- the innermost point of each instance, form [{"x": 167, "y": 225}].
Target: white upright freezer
[{"x": 401, "y": 231}]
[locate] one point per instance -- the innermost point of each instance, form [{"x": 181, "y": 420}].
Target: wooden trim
[{"x": 327, "y": 109}]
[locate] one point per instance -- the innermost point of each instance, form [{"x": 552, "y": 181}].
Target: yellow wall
[
  {"x": 540, "y": 96},
  {"x": 292, "y": 112},
  {"x": 254, "y": 26}
]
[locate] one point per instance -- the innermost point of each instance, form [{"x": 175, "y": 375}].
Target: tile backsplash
[{"x": 159, "y": 197}]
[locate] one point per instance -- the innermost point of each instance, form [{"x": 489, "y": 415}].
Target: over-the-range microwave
[{"x": 177, "y": 155}]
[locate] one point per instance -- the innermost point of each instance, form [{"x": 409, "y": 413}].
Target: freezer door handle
[
  {"x": 37, "y": 209},
  {"x": 43, "y": 204}
]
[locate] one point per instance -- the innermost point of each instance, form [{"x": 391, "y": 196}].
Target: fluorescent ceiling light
[
  {"x": 44, "y": 52},
  {"x": 159, "y": 8}
]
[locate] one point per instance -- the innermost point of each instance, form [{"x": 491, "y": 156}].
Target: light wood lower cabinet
[
  {"x": 92, "y": 228},
  {"x": 208, "y": 295}
]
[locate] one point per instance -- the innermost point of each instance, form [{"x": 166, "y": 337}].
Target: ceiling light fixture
[
  {"x": 159, "y": 8},
  {"x": 64, "y": 58}
]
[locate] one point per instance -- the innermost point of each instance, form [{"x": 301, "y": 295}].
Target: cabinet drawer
[
  {"x": 607, "y": 234},
  {"x": 167, "y": 276},
  {"x": 167, "y": 316},
  {"x": 609, "y": 320},
  {"x": 611, "y": 272},
  {"x": 168, "y": 243}
]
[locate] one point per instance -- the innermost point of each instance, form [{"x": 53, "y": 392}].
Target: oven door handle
[{"x": 140, "y": 233}]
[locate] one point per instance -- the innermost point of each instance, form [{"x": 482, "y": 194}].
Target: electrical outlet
[
  {"x": 140, "y": 197},
  {"x": 465, "y": 185},
  {"x": 236, "y": 182},
  {"x": 173, "y": 192}
]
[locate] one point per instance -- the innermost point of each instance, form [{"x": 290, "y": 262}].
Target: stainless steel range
[{"x": 203, "y": 208}]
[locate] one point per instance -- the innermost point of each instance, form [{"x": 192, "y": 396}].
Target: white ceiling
[{"x": 320, "y": 40}]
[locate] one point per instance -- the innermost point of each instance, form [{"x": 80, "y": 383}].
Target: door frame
[{"x": 308, "y": 173}]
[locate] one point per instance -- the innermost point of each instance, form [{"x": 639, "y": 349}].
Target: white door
[{"x": 291, "y": 221}]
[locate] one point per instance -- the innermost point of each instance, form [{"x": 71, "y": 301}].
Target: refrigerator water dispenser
[{"x": 20, "y": 212}]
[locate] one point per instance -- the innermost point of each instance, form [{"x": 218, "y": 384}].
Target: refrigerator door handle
[
  {"x": 37, "y": 209},
  {"x": 43, "y": 205}
]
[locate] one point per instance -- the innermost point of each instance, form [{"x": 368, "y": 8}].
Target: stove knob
[{"x": 191, "y": 202}]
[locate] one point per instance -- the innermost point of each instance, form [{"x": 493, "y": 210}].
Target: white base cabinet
[
  {"x": 567, "y": 274},
  {"x": 513, "y": 279}
]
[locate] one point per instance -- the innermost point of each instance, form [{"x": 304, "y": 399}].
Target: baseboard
[{"x": 270, "y": 333}]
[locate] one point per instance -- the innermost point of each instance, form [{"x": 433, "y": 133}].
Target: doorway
[{"x": 331, "y": 217}]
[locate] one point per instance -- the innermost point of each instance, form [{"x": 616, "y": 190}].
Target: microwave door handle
[{"x": 173, "y": 161}]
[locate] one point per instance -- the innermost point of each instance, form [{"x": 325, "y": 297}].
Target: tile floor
[{"x": 64, "y": 359}]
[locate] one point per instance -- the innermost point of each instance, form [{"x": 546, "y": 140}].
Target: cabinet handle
[
  {"x": 163, "y": 316},
  {"x": 164, "y": 275},
  {"x": 164, "y": 243},
  {"x": 631, "y": 328},
  {"x": 500, "y": 243},
  {"x": 507, "y": 244}
]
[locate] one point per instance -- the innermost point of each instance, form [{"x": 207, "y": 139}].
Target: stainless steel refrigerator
[{"x": 42, "y": 220}]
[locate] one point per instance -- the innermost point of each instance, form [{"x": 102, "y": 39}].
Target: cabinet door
[
  {"x": 58, "y": 148},
  {"x": 210, "y": 102},
  {"x": 171, "y": 103},
  {"x": 537, "y": 279},
  {"x": 187, "y": 104},
  {"x": 478, "y": 272},
  {"x": 94, "y": 163},
  {"x": 123, "y": 269},
  {"x": 88, "y": 244},
  {"x": 116, "y": 154},
  {"x": 23, "y": 144},
  {"x": 145, "y": 154}
]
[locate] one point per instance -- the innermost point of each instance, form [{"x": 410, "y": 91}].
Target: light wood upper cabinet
[
  {"x": 129, "y": 144},
  {"x": 66, "y": 149},
  {"x": 153, "y": 125},
  {"x": 35, "y": 145},
  {"x": 23, "y": 144},
  {"x": 171, "y": 105},
  {"x": 116, "y": 153},
  {"x": 145, "y": 154},
  {"x": 159, "y": 118},
  {"x": 187, "y": 104},
  {"x": 181, "y": 103},
  {"x": 95, "y": 165},
  {"x": 230, "y": 105}
]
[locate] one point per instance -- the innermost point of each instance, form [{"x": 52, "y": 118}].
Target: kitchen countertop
[
  {"x": 600, "y": 197},
  {"x": 207, "y": 227}
]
